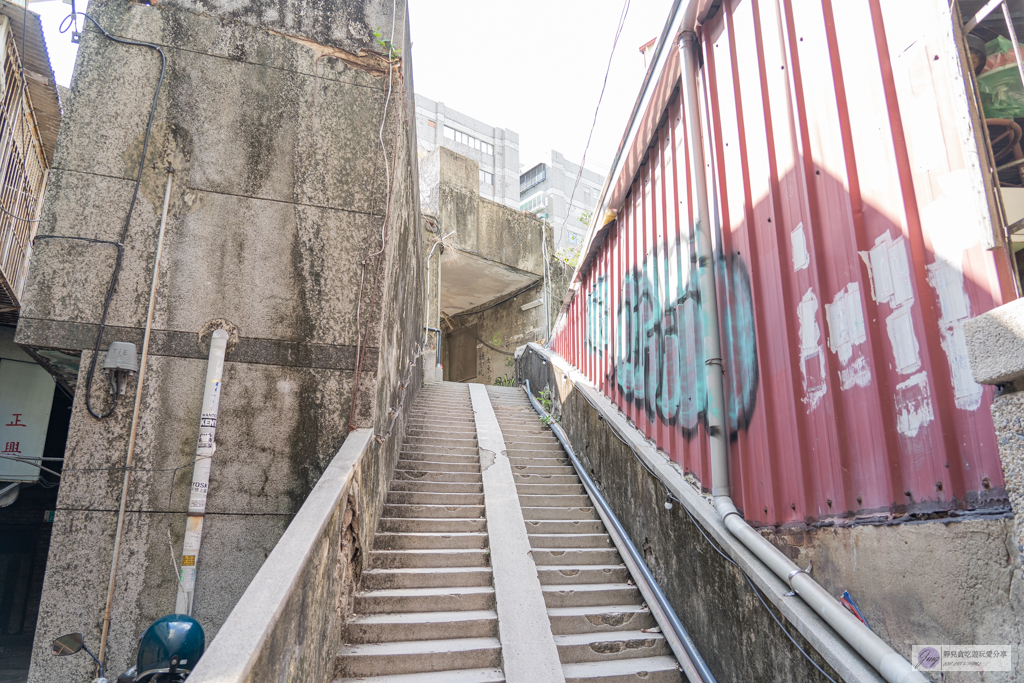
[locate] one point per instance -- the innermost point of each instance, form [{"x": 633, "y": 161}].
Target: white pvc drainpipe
[
  {"x": 201, "y": 472},
  {"x": 893, "y": 667},
  {"x": 135, "y": 418}
]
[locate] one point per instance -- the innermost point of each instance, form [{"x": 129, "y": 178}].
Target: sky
[
  {"x": 531, "y": 66},
  {"x": 536, "y": 67}
]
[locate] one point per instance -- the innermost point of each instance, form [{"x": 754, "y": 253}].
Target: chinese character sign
[{"x": 26, "y": 395}]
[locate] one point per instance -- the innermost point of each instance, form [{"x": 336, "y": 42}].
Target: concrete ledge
[
  {"x": 77, "y": 336},
  {"x": 995, "y": 344},
  {"x": 825, "y": 641},
  {"x": 295, "y": 592}
]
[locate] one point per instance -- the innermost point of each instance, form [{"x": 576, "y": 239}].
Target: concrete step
[
  {"x": 422, "y": 541},
  {"x": 519, "y": 430},
  {"x": 421, "y": 429},
  {"x": 407, "y": 559},
  {"x": 513, "y": 442},
  {"x": 440, "y": 441},
  {"x": 425, "y": 577},
  {"x": 436, "y": 486},
  {"x": 460, "y": 676},
  {"x": 417, "y": 656},
  {"x": 599, "y": 540},
  {"x": 575, "y": 556},
  {"x": 433, "y": 511},
  {"x": 393, "y": 600},
  {"x": 531, "y": 514},
  {"x": 554, "y": 501},
  {"x": 564, "y": 526},
  {"x": 645, "y": 669},
  {"x": 574, "y": 648},
  {"x": 450, "y": 450},
  {"x": 441, "y": 455},
  {"x": 413, "y": 498},
  {"x": 573, "y": 574},
  {"x": 546, "y": 478},
  {"x": 600, "y": 619},
  {"x": 461, "y": 414},
  {"x": 533, "y": 469},
  {"x": 434, "y": 466},
  {"x": 539, "y": 460},
  {"x": 430, "y": 525},
  {"x": 548, "y": 489},
  {"x": 423, "y": 475},
  {"x": 385, "y": 628},
  {"x": 581, "y": 594}
]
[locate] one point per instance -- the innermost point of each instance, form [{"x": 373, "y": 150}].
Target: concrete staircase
[
  {"x": 602, "y": 629},
  {"x": 425, "y": 609}
]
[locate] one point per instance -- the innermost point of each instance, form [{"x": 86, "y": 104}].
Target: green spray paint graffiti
[{"x": 659, "y": 363}]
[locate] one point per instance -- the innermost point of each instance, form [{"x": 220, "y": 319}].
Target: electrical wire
[
  {"x": 604, "y": 84},
  {"x": 112, "y": 287},
  {"x": 668, "y": 495},
  {"x": 362, "y": 336}
]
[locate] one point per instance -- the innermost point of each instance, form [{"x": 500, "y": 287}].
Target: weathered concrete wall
[
  {"x": 500, "y": 329},
  {"x": 942, "y": 581},
  {"x": 995, "y": 344},
  {"x": 271, "y": 120},
  {"x": 483, "y": 227}
]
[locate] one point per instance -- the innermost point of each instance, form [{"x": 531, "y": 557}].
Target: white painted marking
[
  {"x": 845, "y": 316},
  {"x": 881, "y": 276},
  {"x": 801, "y": 257},
  {"x": 948, "y": 282},
  {"x": 857, "y": 374},
  {"x": 812, "y": 356},
  {"x": 899, "y": 264},
  {"x": 906, "y": 351},
  {"x": 913, "y": 405}
]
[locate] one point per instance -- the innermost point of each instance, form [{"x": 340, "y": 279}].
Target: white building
[
  {"x": 550, "y": 190},
  {"x": 496, "y": 150}
]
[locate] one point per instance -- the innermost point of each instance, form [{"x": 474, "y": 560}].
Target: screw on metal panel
[
  {"x": 792, "y": 506},
  {"x": 908, "y": 494},
  {"x": 986, "y": 483},
  {"x": 938, "y": 486},
  {"x": 829, "y": 501},
  {"x": 860, "y": 501}
]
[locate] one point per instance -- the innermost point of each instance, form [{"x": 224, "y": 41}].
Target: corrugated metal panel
[{"x": 850, "y": 250}]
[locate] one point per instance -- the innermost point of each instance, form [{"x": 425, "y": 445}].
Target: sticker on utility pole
[{"x": 26, "y": 396}]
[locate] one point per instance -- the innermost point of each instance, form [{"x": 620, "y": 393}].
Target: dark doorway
[{"x": 461, "y": 345}]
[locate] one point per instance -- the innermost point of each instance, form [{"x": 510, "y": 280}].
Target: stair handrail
[{"x": 690, "y": 655}]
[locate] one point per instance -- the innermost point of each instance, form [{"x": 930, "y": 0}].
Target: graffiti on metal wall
[{"x": 659, "y": 355}]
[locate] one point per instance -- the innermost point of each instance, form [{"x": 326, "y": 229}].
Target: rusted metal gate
[{"x": 854, "y": 237}]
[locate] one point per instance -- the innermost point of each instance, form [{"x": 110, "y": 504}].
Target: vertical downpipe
[
  {"x": 201, "y": 472},
  {"x": 688, "y": 47}
]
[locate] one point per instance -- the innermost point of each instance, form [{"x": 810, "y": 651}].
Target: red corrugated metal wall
[{"x": 849, "y": 254}]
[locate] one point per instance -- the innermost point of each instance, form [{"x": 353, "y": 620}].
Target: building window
[
  {"x": 537, "y": 201},
  {"x": 468, "y": 140},
  {"x": 535, "y": 176},
  {"x": 486, "y": 178}
]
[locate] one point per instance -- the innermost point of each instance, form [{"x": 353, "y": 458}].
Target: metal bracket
[{"x": 789, "y": 579}]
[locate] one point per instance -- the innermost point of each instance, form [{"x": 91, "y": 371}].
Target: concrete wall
[
  {"x": 271, "y": 120},
  {"x": 500, "y": 329},
  {"x": 943, "y": 581}
]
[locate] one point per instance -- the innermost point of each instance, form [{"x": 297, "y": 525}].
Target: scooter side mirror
[{"x": 68, "y": 645}]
